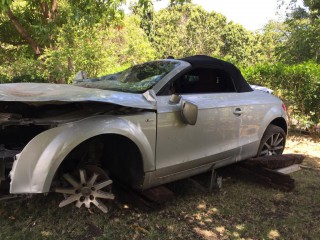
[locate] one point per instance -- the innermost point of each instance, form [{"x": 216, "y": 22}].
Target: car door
[{"x": 187, "y": 149}]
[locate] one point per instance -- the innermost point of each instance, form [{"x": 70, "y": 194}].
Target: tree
[
  {"x": 314, "y": 7},
  {"x": 240, "y": 45},
  {"x": 144, "y": 9},
  {"x": 181, "y": 2},
  {"x": 271, "y": 38},
  {"x": 98, "y": 51},
  {"x": 35, "y": 23},
  {"x": 184, "y": 30},
  {"x": 302, "y": 37}
]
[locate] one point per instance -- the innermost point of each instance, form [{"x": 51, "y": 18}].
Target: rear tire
[{"x": 272, "y": 142}]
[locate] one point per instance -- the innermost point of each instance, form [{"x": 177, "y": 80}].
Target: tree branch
[{"x": 23, "y": 33}]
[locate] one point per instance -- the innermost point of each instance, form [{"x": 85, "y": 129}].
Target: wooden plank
[
  {"x": 265, "y": 176},
  {"x": 276, "y": 161},
  {"x": 290, "y": 169},
  {"x": 272, "y": 170},
  {"x": 160, "y": 194}
]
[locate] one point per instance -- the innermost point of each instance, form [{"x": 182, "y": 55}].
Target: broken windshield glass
[{"x": 136, "y": 79}]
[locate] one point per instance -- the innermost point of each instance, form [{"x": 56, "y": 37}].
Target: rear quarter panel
[{"x": 260, "y": 109}]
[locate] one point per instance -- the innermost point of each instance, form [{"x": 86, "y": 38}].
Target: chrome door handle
[{"x": 237, "y": 111}]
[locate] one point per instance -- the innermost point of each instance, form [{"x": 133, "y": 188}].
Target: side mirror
[
  {"x": 175, "y": 99},
  {"x": 189, "y": 112}
]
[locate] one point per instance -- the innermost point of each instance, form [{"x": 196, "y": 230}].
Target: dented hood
[{"x": 46, "y": 92}]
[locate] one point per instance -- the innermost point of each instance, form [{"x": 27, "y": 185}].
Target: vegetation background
[{"x": 51, "y": 40}]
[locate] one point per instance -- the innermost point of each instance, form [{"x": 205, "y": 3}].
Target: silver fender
[{"x": 35, "y": 166}]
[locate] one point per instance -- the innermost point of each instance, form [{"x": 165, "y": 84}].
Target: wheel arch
[
  {"x": 116, "y": 153},
  {"x": 280, "y": 122},
  {"x": 276, "y": 116}
]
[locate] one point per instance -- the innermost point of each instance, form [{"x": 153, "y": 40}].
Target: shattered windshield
[{"x": 136, "y": 79}]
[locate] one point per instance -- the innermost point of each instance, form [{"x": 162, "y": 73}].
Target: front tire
[{"x": 272, "y": 142}]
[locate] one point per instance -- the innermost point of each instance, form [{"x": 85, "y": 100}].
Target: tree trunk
[
  {"x": 24, "y": 34},
  {"x": 45, "y": 11},
  {"x": 54, "y": 9}
]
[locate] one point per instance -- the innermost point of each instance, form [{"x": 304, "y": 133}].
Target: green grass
[{"x": 240, "y": 210}]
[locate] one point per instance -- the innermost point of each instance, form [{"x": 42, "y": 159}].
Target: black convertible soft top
[{"x": 206, "y": 61}]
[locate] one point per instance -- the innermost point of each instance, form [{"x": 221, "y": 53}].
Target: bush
[
  {"x": 23, "y": 69},
  {"x": 28, "y": 78},
  {"x": 4, "y": 78},
  {"x": 298, "y": 85}
]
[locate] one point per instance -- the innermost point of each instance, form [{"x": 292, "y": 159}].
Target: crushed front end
[{"x": 21, "y": 122}]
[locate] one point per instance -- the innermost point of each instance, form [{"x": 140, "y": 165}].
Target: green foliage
[
  {"x": 181, "y": 2},
  {"x": 302, "y": 41},
  {"x": 240, "y": 45},
  {"x": 92, "y": 11},
  {"x": 97, "y": 50},
  {"x": 313, "y": 6},
  {"x": 144, "y": 9},
  {"x": 188, "y": 29},
  {"x": 301, "y": 38},
  {"x": 267, "y": 41},
  {"x": 184, "y": 30},
  {"x": 4, "y": 4},
  {"x": 36, "y": 23},
  {"x": 4, "y": 78},
  {"x": 19, "y": 65},
  {"x": 298, "y": 85}
]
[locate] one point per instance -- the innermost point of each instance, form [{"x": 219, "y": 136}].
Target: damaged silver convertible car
[{"x": 148, "y": 125}]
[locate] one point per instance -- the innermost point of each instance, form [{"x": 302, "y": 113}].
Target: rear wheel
[{"x": 272, "y": 142}]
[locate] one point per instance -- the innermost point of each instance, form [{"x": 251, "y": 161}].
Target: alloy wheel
[
  {"x": 87, "y": 191},
  {"x": 274, "y": 145}
]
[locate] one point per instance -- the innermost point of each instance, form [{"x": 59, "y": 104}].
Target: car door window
[{"x": 201, "y": 81}]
